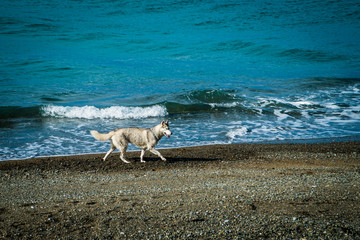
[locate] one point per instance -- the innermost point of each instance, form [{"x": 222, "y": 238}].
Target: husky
[{"x": 144, "y": 138}]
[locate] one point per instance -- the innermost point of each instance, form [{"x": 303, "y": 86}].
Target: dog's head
[{"x": 165, "y": 128}]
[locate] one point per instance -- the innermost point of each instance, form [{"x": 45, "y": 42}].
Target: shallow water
[{"x": 240, "y": 71}]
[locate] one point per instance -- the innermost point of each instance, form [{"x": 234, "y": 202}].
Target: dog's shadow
[{"x": 177, "y": 160}]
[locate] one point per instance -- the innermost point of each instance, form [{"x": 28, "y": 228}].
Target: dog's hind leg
[
  {"x": 142, "y": 155},
  {"x": 122, "y": 148},
  {"x": 112, "y": 148},
  {"x": 122, "y": 155},
  {"x": 156, "y": 152}
]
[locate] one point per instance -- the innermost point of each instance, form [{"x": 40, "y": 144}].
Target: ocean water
[{"x": 220, "y": 71}]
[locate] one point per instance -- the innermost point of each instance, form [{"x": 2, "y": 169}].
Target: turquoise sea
[{"x": 220, "y": 71}]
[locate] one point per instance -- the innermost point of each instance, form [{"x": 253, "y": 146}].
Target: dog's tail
[{"x": 102, "y": 137}]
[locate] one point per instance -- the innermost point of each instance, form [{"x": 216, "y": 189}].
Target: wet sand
[{"x": 236, "y": 191}]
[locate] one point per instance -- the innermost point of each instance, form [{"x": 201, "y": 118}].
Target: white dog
[{"x": 144, "y": 138}]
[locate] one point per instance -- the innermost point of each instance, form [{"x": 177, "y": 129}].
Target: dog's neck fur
[{"x": 157, "y": 134}]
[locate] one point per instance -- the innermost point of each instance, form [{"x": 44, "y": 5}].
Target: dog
[{"x": 144, "y": 138}]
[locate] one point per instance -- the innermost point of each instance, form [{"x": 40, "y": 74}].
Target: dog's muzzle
[{"x": 167, "y": 133}]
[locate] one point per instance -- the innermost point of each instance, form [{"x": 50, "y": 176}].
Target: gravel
[{"x": 272, "y": 191}]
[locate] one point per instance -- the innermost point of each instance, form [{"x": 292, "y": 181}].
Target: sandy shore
[{"x": 273, "y": 191}]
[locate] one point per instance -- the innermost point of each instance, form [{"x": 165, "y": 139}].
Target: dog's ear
[{"x": 165, "y": 123}]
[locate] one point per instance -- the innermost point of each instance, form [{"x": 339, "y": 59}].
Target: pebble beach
[{"x": 235, "y": 191}]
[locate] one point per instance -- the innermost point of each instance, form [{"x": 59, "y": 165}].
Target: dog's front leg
[{"x": 156, "y": 152}]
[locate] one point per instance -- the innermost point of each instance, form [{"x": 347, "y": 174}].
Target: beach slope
[{"x": 209, "y": 192}]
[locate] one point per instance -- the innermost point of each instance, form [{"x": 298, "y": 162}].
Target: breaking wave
[
  {"x": 115, "y": 112},
  {"x": 328, "y": 102}
]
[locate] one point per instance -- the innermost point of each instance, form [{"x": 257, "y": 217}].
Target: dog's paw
[{"x": 125, "y": 161}]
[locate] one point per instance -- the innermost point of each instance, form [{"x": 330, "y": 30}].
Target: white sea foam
[
  {"x": 331, "y": 106},
  {"x": 238, "y": 132},
  {"x": 281, "y": 116},
  {"x": 91, "y": 112},
  {"x": 270, "y": 132},
  {"x": 224, "y": 105},
  {"x": 300, "y": 104}
]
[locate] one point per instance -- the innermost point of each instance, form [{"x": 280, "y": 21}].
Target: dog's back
[{"x": 136, "y": 136}]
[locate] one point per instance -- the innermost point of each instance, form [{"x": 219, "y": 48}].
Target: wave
[
  {"x": 211, "y": 96},
  {"x": 83, "y": 112},
  {"x": 178, "y": 108},
  {"x": 298, "y": 54},
  {"x": 91, "y": 112},
  {"x": 138, "y": 112},
  {"x": 119, "y": 112},
  {"x": 311, "y": 56},
  {"x": 9, "y": 112},
  {"x": 323, "y": 100}
]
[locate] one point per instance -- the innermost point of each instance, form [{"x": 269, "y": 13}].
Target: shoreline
[
  {"x": 293, "y": 141},
  {"x": 130, "y": 153},
  {"x": 287, "y": 190}
]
